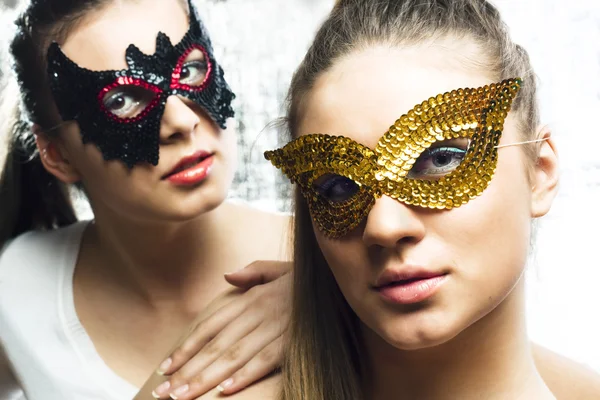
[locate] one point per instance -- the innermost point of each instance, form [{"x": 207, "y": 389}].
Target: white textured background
[{"x": 261, "y": 41}]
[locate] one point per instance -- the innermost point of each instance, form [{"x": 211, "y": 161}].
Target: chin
[
  {"x": 412, "y": 334},
  {"x": 197, "y": 206},
  {"x": 418, "y": 342}
]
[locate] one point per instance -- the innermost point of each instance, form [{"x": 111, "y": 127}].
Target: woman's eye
[
  {"x": 193, "y": 73},
  {"x": 336, "y": 188},
  {"x": 127, "y": 101},
  {"x": 439, "y": 161},
  {"x": 120, "y": 103}
]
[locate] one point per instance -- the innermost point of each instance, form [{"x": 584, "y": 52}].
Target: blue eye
[
  {"x": 439, "y": 161},
  {"x": 336, "y": 188}
]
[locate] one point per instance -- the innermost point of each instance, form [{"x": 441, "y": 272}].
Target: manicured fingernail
[
  {"x": 179, "y": 391},
  {"x": 236, "y": 271},
  {"x": 164, "y": 366},
  {"x": 161, "y": 390},
  {"x": 225, "y": 384}
]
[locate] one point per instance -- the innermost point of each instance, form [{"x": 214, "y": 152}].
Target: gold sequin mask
[{"x": 439, "y": 155}]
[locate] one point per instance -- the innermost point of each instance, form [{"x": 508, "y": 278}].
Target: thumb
[{"x": 258, "y": 273}]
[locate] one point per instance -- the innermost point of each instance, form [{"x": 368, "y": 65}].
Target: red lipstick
[
  {"x": 409, "y": 286},
  {"x": 191, "y": 170}
]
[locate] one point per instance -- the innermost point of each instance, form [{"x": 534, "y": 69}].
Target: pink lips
[
  {"x": 409, "y": 286},
  {"x": 191, "y": 170}
]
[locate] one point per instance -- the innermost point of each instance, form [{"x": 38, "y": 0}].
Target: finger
[
  {"x": 235, "y": 345},
  {"x": 224, "y": 373},
  {"x": 257, "y": 348},
  {"x": 261, "y": 365},
  {"x": 201, "y": 334},
  {"x": 258, "y": 273}
]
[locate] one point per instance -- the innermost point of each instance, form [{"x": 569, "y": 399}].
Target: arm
[{"x": 567, "y": 379}]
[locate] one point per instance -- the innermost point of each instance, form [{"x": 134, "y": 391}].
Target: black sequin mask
[{"x": 120, "y": 111}]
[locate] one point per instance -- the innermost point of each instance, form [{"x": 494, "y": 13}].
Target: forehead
[
  {"x": 363, "y": 94},
  {"x": 100, "y": 39}
]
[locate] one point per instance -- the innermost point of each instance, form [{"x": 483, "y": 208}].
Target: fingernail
[
  {"x": 164, "y": 366},
  {"x": 161, "y": 390},
  {"x": 236, "y": 271},
  {"x": 179, "y": 391},
  {"x": 225, "y": 384}
]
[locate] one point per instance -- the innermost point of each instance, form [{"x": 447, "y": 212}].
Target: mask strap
[
  {"x": 525, "y": 142},
  {"x": 56, "y": 126}
]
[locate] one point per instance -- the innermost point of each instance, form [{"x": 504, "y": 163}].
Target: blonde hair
[{"x": 325, "y": 359}]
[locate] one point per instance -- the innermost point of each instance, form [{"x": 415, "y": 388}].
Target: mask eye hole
[
  {"x": 127, "y": 101},
  {"x": 336, "y": 188},
  {"x": 440, "y": 159},
  {"x": 194, "y": 69}
]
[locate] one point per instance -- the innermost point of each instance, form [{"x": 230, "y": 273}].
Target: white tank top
[{"x": 51, "y": 355}]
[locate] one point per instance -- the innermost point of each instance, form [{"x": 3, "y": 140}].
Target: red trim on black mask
[
  {"x": 175, "y": 84},
  {"x": 126, "y": 81}
]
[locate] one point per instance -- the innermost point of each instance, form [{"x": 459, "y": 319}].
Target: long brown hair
[
  {"x": 30, "y": 197},
  {"x": 325, "y": 360}
]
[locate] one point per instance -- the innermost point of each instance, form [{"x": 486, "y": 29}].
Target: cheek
[
  {"x": 489, "y": 236},
  {"x": 107, "y": 181},
  {"x": 94, "y": 170},
  {"x": 348, "y": 262},
  {"x": 86, "y": 159}
]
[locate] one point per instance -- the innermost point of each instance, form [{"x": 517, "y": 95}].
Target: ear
[
  {"x": 53, "y": 157},
  {"x": 545, "y": 176}
]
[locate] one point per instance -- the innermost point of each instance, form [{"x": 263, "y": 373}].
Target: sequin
[
  {"x": 477, "y": 114},
  {"x": 79, "y": 94}
]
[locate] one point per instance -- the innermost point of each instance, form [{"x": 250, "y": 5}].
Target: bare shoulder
[
  {"x": 266, "y": 389},
  {"x": 268, "y": 233},
  {"x": 276, "y": 220},
  {"x": 566, "y": 378}
]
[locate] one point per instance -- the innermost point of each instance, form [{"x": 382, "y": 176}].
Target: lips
[
  {"x": 405, "y": 276},
  {"x": 188, "y": 162},
  {"x": 409, "y": 286}
]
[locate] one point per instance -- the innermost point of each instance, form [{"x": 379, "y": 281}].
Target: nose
[
  {"x": 391, "y": 223},
  {"x": 179, "y": 120}
]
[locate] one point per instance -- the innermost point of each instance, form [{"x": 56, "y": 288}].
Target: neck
[
  {"x": 176, "y": 263},
  {"x": 489, "y": 360}
]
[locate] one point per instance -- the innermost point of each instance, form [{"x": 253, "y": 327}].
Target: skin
[
  {"x": 264, "y": 389},
  {"x": 478, "y": 310},
  {"x": 567, "y": 379},
  {"x": 156, "y": 250}
]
